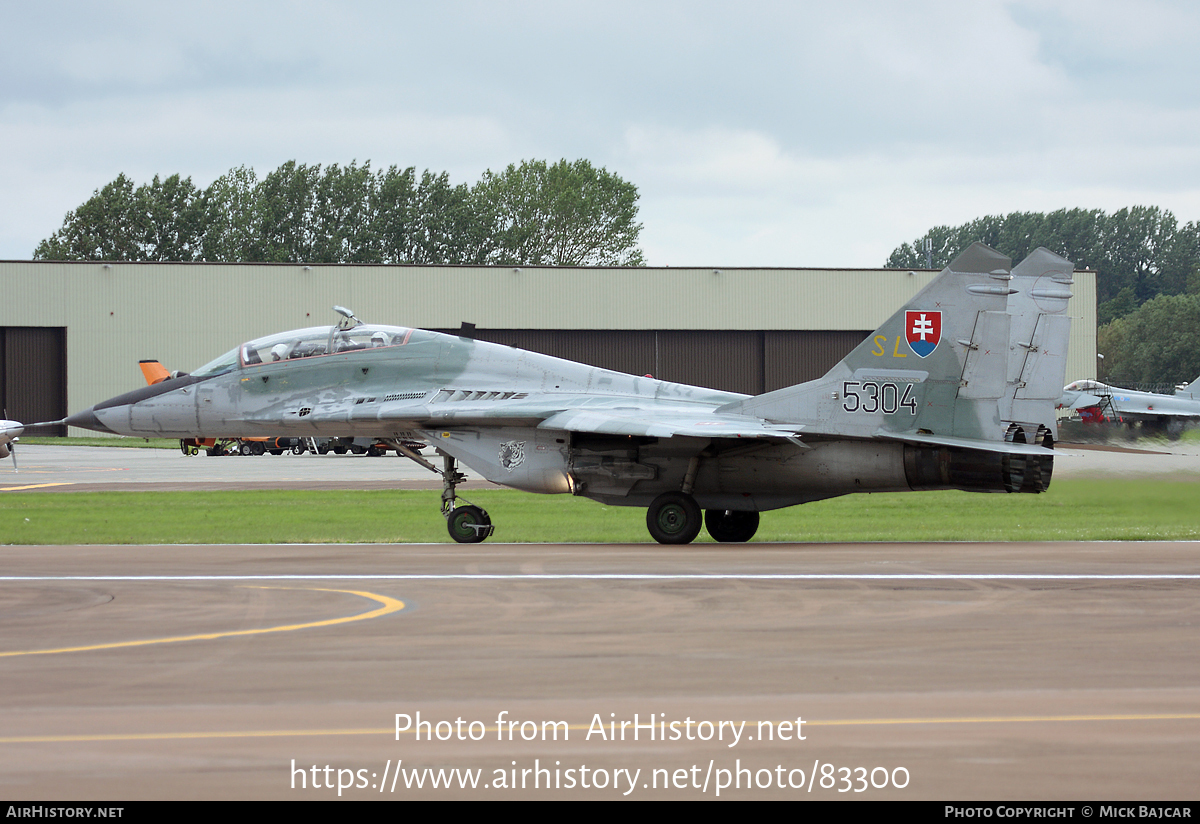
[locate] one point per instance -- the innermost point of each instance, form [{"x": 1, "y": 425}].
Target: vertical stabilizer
[
  {"x": 1041, "y": 330},
  {"x": 937, "y": 366},
  {"x": 1192, "y": 390},
  {"x": 975, "y": 360}
]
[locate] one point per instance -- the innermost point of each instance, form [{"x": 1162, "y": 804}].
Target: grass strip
[
  {"x": 1073, "y": 510},
  {"x": 134, "y": 443}
]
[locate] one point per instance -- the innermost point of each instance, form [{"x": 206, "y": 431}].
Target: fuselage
[
  {"x": 1089, "y": 394},
  {"x": 377, "y": 380},
  {"x": 485, "y": 404}
]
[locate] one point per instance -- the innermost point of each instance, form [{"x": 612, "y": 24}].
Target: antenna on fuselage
[{"x": 348, "y": 321}]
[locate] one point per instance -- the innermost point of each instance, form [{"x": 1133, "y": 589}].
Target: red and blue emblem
[{"x": 922, "y": 330}]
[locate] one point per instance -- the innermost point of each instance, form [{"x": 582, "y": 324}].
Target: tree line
[
  {"x": 535, "y": 213},
  {"x": 1147, "y": 279}
]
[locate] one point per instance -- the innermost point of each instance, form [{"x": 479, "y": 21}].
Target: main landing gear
[
  {"x": 731, "y": 526},
  {"x": 674, "y": 518}
]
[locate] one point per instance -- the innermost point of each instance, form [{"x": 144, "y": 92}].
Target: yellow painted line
[
  {"x": 170, "y": 736},
  {"x": 34, "y": 486},
  {"x": 391, "y": 732},
  {"x": 389, "y": 605}
]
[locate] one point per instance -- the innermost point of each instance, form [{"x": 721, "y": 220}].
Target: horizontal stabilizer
[{"x": 1003, "y": 447}]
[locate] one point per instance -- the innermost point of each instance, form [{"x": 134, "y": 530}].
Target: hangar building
[{"x": 71, "y": 334}]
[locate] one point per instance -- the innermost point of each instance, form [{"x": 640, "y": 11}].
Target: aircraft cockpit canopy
[
  {"x": 1088, "y": 386},
  {"x": 307, "y": 343}
]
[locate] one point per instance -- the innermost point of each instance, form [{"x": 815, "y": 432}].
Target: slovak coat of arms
[{"x": 922, "y": 330}]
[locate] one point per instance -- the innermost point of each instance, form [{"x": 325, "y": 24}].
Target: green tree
[
  {"x": 1159, "y": 342},
  {"x": 1119, "y": 306},
  {"x": 427, "y": 221},
  {"x": 105, "y": 227},
  {"x": 170, "y": 214},
  {"x": 443, "y": 229},
  {"x": 1073, "y": 233},
  {"x": 565, "y": 214},
  {"x": 230, "y": 217},
  {"x": 1135, "y": 242},
  {"x": 393, "y": 213},
  {"x": 161, "y": 220},
  {"x": 341, "y": 220},
  {"x": 1138, "y": 253},
  {"x": 284, "y": 208}
]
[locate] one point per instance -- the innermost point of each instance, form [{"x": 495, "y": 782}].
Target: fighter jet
[
  {"x": 955, "y": 391},
  {"x": 1096, "y": 402}
]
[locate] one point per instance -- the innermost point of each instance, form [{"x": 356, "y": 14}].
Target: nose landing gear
[
  {"x": 469, "y": 524},
  {"x": 466, "y": 524}
]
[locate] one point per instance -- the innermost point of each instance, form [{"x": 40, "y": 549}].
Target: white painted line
[{"x": 618, "y": 576}]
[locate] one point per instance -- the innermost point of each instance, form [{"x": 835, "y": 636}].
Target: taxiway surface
[
  {"x": 96, "y": 469},
  {"x": 46, "y": 468}
]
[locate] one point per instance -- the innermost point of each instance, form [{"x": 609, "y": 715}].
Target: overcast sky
[{"x": 758, "y": 133}]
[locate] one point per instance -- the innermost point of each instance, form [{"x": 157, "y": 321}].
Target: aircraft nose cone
[{"x": 87, "y": 420}]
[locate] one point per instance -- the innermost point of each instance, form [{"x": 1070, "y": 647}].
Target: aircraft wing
[
  {"x": 658, "y": 424},
  {"x": 1151, "y": 413},
  {"x": 655, "y": 421},
  {"x": 1072, "y": 399}
]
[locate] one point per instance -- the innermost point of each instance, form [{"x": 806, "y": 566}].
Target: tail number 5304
[{"x": 871, "y": 397}]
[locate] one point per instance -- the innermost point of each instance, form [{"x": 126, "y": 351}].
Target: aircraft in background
[
  {"x": 1097, "y": 402},
  {"x": 9, "y": 432},
  {"x": 955, "y": 391}
]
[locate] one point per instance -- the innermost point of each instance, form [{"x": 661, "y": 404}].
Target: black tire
[
  {"x": 246, "y": 449},
  {"x": 323, "y": 449},
  {"x": 257, "y": 448},
  {"x": 298, "y": 449},
  {"x": 339, "y": 450},
  {"x": 463, "y": 521},
  {"x": 674, "y": 518},
  {"x": 375, "y": 452},
  {"x": 731, "y": 526}
]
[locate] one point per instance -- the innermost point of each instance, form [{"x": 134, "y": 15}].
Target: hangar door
[
  {"x": 33, "y": 375},
  {"x": 752, "y": 362}
]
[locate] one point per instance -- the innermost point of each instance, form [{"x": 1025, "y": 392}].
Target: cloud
[{"x": 770, "y": 133}]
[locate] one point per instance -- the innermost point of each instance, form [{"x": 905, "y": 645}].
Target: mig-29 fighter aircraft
[{"x": 955, "y": 391}]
